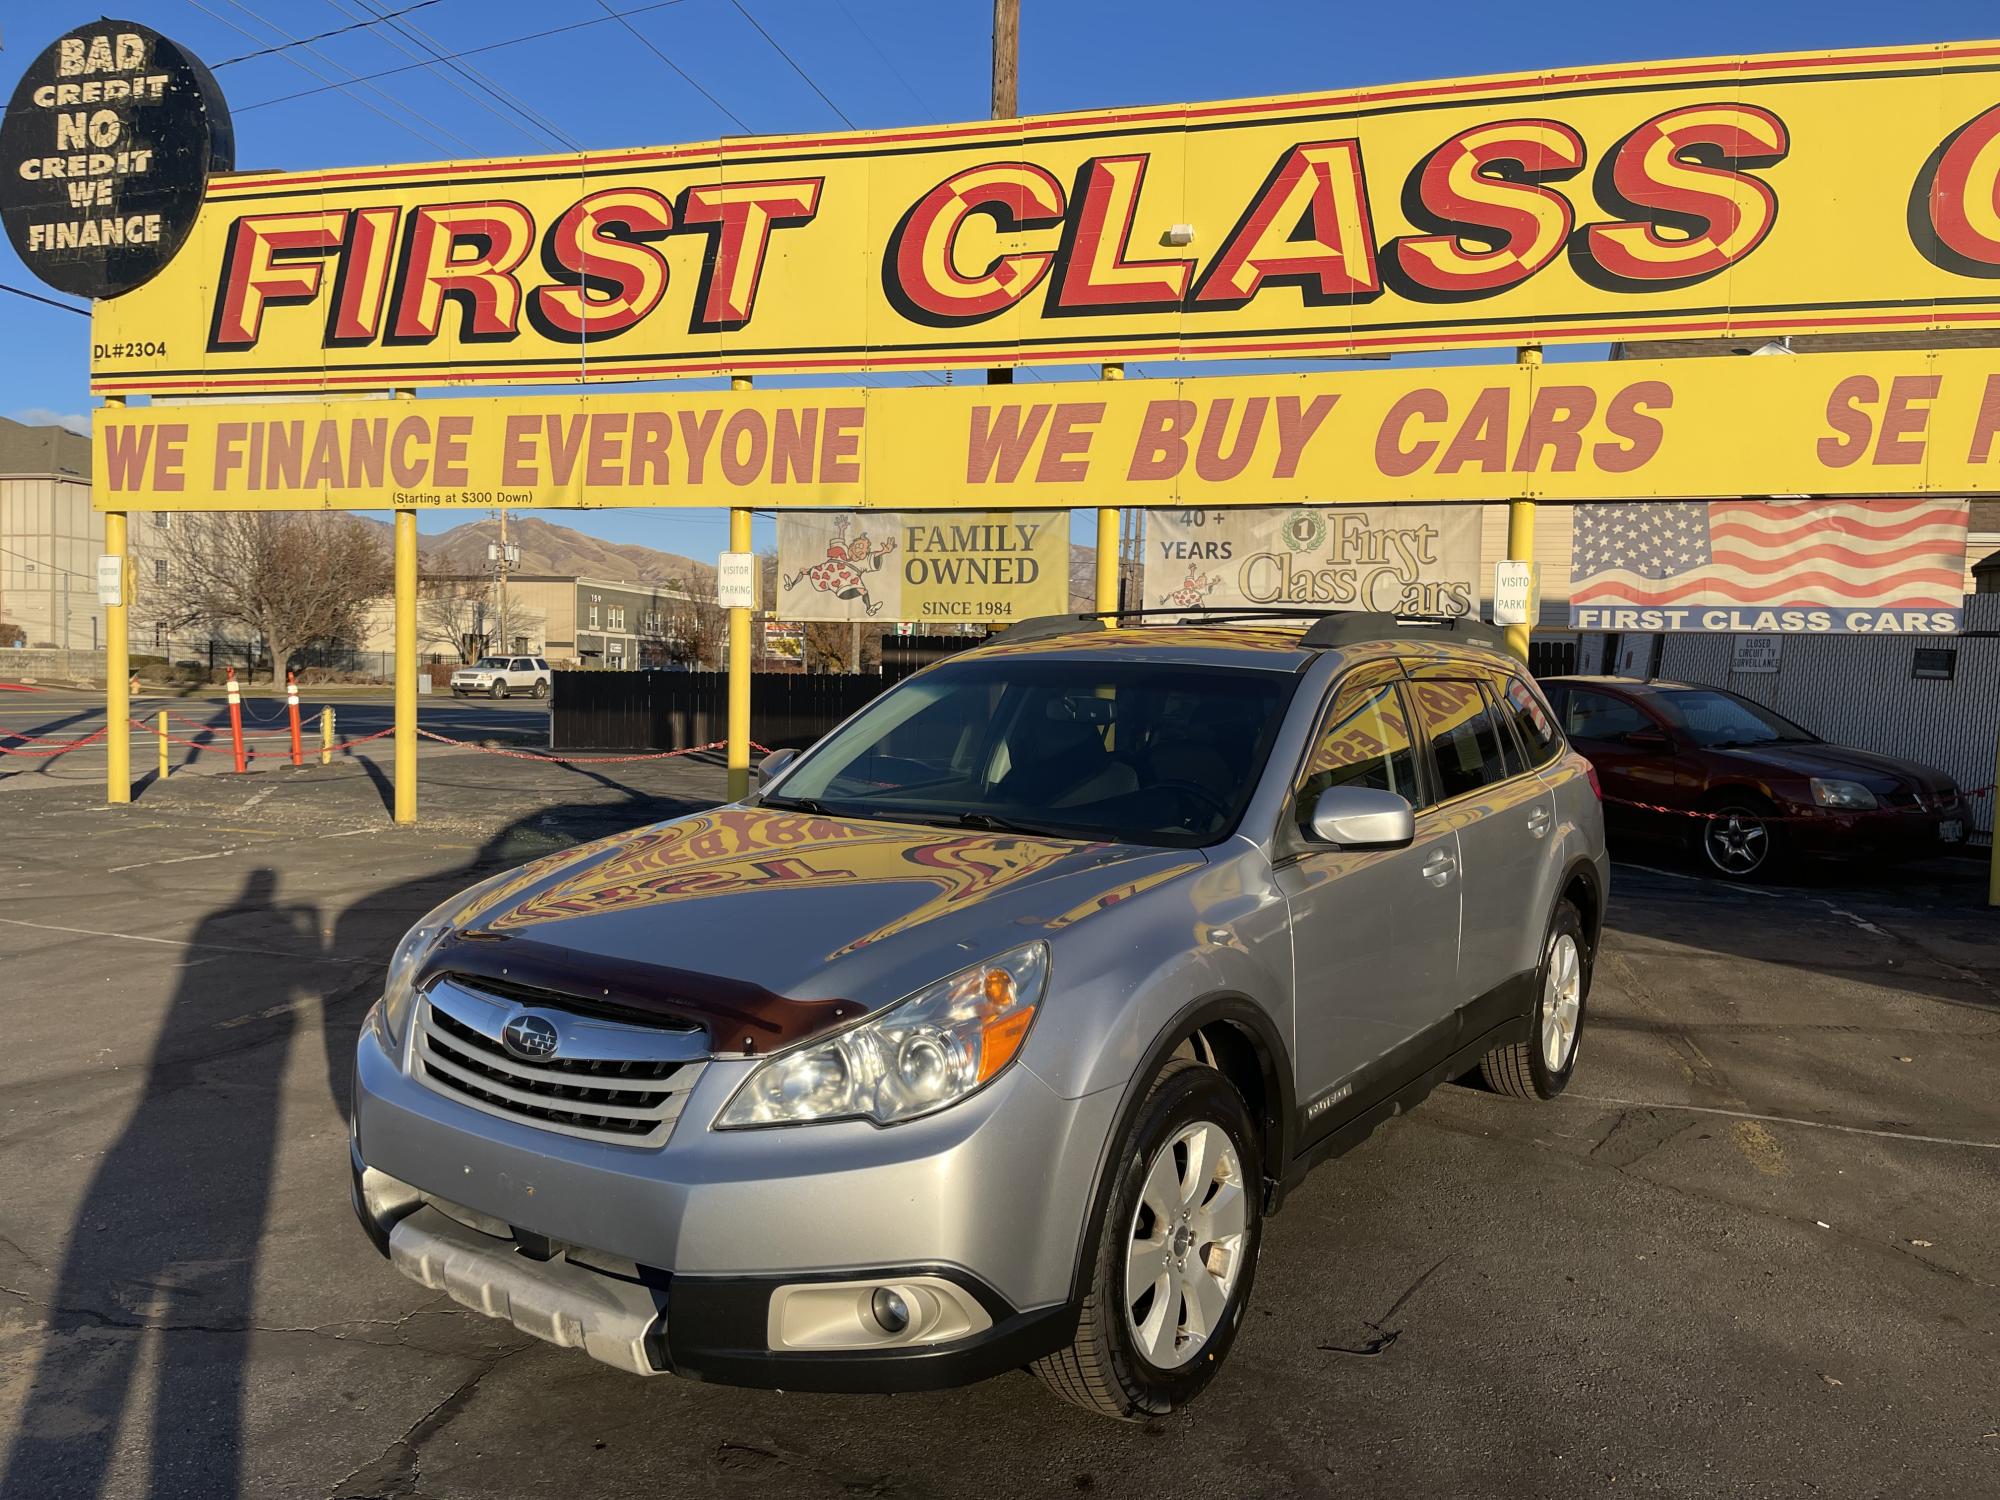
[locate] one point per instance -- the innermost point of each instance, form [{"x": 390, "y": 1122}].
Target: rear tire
[
  {"x": 1193, "y": 1151},
  {"x": 1540, "y": 1067},
  {"x": 541, "y": 688}
]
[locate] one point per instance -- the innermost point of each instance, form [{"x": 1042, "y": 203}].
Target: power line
[
  {"x": 373, "y": 108},
  {"x": 921, "y": 102},
  {"x": 794, "y": 62},
  {"x": 512, "y": 41},
  {"x": 685, "y": 75},
  {"x": 49, "y": 301},
  {"x": 229, "y": 62},
  {"x": 540, "y": 123}
]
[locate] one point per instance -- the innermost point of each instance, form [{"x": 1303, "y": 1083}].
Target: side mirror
[
  {"x": 1650, "y": 738},
  {"x": 1363, "y": 817},
  {"x": 773, "y": 763}
]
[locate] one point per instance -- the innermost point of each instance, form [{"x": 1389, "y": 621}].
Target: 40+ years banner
[
  {"x": 1407, "y": 559},
  {"x": 956, "y": 567},
  {"x": 1858, "y": 566},
  {"x": 1717, "y": 197}
]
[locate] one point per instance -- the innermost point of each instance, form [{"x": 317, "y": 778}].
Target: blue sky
[{"x": 881, "y": 62}]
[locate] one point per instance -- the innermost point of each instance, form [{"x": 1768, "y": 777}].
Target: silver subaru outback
[{"x": 988, "y": 1033}]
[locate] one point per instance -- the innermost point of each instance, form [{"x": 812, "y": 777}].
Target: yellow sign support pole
[
  {"x": 118, "y": 668},
  {"x": 1107, "y": 536},
  {"x": 739, "y": 655},
  {"x": 1521, "y": 525},
  {"x": 160, "y": 723}
]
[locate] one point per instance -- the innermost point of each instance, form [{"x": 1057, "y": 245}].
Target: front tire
[
  {"x": 1739, "y": 841},
  {"x": 499, "y": 690},
  {"x": 1176, "y": 1252},
  {"x": 1540, "y": 1067}
]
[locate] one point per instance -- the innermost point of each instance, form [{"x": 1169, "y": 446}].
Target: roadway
[{"x": 60, "y": 714}]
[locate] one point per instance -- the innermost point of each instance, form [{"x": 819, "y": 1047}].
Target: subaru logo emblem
[{"x": 531, "y": 1038}]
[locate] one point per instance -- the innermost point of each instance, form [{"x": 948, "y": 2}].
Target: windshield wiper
[
  {"x": 992, "y": 824},
  {"x": 803, "y": 804}
]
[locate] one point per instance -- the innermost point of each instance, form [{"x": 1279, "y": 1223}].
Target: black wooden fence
[{"x": 673, "y": 710}]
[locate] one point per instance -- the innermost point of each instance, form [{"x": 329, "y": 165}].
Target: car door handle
[
  {"x": 1438, "y": 868},
  {"x": 1538, "y": 822}
]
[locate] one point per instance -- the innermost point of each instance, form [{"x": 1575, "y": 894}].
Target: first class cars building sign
[
  {"x": 107, "y": 146},
  {"x": 1769, "y": 195}
]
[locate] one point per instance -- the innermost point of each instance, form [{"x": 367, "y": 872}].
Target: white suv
[{"x": 498, "y": 676}]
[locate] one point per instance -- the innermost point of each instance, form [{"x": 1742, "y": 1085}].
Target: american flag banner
[{"x": 1852, "y": 565}]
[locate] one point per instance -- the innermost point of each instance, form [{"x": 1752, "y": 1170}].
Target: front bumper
[
  {"x": 667, "y": 1259},
  {"x": 1894, "y": 832}
]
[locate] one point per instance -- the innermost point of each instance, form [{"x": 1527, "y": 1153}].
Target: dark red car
[{"x": 1759, "y": 787}]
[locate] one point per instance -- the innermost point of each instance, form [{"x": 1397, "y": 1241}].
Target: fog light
[{"x": 890, "y": 1310}]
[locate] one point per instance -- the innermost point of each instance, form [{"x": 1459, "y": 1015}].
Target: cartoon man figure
[
  {"x": 848, "y": 562},
  {"x": 1194, "y": 589}
]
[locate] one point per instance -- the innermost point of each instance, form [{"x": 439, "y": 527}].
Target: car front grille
[{"x": 606, "y": 1081}]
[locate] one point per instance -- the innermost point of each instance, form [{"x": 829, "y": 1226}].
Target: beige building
[{"x": 50, "y": 540}]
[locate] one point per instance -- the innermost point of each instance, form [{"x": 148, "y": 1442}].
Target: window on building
[
  {"x": 1937, "y": 662},
  {"x": 595, "y": 622},
  {"x": 159, "y": 632},
  {"x": 159, "y": 570},
  {"x": 617, "y": 653},
  {"x": 160, "y": 520},
  {"x": 617, "y": 617}
]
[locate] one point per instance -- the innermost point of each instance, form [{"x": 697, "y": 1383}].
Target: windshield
[
  {"x": 1717, "y": 720},
  {"x": 491, "y": 661},
  {"x": 1132, "y": 752}
]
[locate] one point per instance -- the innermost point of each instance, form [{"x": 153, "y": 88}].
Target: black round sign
[{"x": 104, "y": 155}]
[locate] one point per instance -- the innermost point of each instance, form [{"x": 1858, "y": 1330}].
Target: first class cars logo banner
[
  {"x": 1407, "y": 559},
  {"x": 949, "y": 566},
  {"x": 1863, "y": 566},
  {"x": 1743, "y": 196}
]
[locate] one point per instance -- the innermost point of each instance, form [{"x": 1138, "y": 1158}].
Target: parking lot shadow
[{"x": 166, "y": 1235}]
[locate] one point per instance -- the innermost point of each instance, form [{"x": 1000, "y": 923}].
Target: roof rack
[
  {"x": 1354, "y": 627},
  {"x": 1329, "y": 628}
]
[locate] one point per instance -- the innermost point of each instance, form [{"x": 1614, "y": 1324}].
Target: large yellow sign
[
  {"x": 1799, "y": 193},
  {"x": 1818, "y": 424}
]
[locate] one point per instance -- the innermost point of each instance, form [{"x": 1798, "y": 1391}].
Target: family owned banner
[{"x": 990, "y": 567}]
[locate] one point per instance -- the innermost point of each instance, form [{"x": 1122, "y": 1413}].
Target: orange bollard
[
  {"x": 292, "y": 707},
  {"x": 236, "y": 721}
]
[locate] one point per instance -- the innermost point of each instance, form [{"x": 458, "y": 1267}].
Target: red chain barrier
[
  {"x": 584, "y": 760},
  {"x": 62, "y": 747},
  {"x": 1688, "y": 812}
]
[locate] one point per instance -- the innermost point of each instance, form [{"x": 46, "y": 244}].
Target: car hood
[
  {"x": 767, "y": 927},
  {"x": 1878, "y": 772}
]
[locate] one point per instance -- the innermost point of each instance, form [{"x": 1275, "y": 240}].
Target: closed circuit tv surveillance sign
[{"x": 104, "y": 155}]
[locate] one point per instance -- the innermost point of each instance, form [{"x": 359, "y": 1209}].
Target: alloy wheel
[
  {"x": 1736, "y": 841},
  {"x": 1562, "y": 1002},
  {"x": 1184, "y": 1255}
]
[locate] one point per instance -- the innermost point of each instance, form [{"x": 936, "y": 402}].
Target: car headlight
[
  {"x": 937, "y": 1047},
  {"x": 399, "y": 987},
  {"x": 1851, "y": 795}
]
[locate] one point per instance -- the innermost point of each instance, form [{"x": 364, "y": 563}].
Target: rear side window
[
  {"x": 1531, "y": 721},
  {"x": 1465, "y": 736},
  {"x": 1599, "y": 716},
  {"x": 1365, "y": 741}
]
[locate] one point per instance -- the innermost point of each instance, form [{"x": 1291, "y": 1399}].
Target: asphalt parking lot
[{"x": 1751, "y": 1251}]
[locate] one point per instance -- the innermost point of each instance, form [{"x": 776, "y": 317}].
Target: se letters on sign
[{"x": 1829, "y": 424}]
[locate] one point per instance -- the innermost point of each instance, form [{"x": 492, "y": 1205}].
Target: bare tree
[
  {"x": 700, "y": 625},
  {"x": 472, "y": 616},
  {"x": 288, "y": 579}
]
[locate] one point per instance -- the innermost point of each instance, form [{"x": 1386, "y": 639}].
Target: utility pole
[
  {"x": 1006, "y": 95},
  {"x": 506, "y": 623}
]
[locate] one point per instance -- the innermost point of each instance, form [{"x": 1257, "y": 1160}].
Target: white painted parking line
[
  {"x": 1744, "y": 1114},
  {"x": 135, "y": 937}
]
